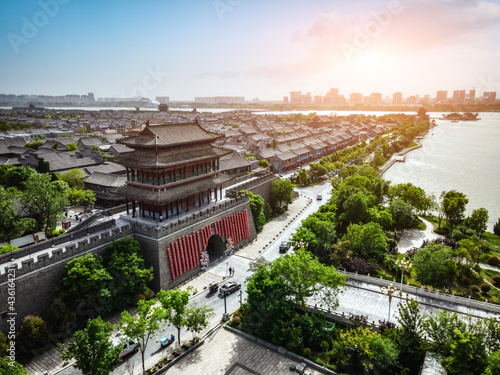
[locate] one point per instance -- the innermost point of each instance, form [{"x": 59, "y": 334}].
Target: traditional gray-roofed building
[
  {"x": 88, "y": 142},
  {"x": 101, "y": 183},
  {"x": 234, "y": 164},
  {"x": 107, "y": 167},
  {"x": 118, "y": 149}
]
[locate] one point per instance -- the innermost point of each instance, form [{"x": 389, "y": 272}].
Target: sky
[{"x": 254, "y": 48}]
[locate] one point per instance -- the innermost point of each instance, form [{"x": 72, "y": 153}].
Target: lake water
[{"x": 464, "y": 156}]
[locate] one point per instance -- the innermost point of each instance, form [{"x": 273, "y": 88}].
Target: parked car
[
  {"x": 128, "y": 346},
  {"x": 319, "y": 197},
  {"x": 284, "y": 247},
  {"x": 229, "y": 288}
]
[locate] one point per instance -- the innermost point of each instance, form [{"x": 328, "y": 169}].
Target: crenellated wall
[{"x": 38, "y": 276}]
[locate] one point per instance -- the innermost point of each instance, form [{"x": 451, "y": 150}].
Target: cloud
[{"x": 396, "y": 29}]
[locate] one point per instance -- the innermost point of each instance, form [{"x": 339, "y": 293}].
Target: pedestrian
[{"x": 230, "y": 271}]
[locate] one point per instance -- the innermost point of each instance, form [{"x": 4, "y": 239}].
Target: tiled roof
[
  {"x": 169, "y": 159},
  {"x": 105, "y": 179},
  {"x": 173, "y": 193},
  {"x": 170, "y": 134}
]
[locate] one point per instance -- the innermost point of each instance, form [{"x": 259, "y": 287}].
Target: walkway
[{"x": 414, "y": 237}]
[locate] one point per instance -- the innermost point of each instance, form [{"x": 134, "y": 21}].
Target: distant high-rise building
[
  {"x": 331, "y": 96},
  {"x": 458, "y": 97},
  {"x": 411, "y": 100},
  {"x": 91, "y": 97},
  {"x": 375, "y": 98},
  {"x": 163, "y": 99},
  {"x": 356, "y": 98},
  {"x": 489, "y": 97},
  {"x": 285, "y": 100},
  {"x": 397, "y": 98},
  {"x": 442, "y": 96},
  {"x": 318, "y": 99},
  {"x": 295, "y": 97},
  {"x": 472, "y": 95}
]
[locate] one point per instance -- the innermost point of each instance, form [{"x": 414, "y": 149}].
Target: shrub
[
  {"x": 466, "y": 293},
  {"x": 496, "y": 228},
  {"x": 496, "y": 279},
  {"x": 494, "y": 261},
  {"x": 139, "y": 297},
  {"x": 59, "y": 318},
  {"x": 306, "y": 352},
  {"x": 324, "y": 346},
  {"x": 360, "y": 265},
  {"x": 384, "y": 324},
  {"x": 149, "y": 294},
  {"x": 238, "y": 314},
  {"x": 236, "y": 320},
  {"x": 474, "y": 288},
  {"x": 32, "y": 335},
  {"x": 465, "y": 281},
  {"x": 485, "y": 288}
]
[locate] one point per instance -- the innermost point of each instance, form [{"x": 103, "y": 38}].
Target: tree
[
  {"x": 197, "y": 318},
  {"x": 71, "y": 147},
  {"x": 33, "y": 334},
  {"x": 478, "y": 220},
  {"x": 496, "y": 228},
  {"x": 318, "y": 234},
  {"x": 77, "y": 197},
  {"x": 175, "y": 302},
  {"x": 411, "y": 194},
  {"x": 462, "y": 360},
  {"x": 144, "y": 324},
  {"x": 367, "y": 240},
  {"x": 92, "y": 348},
  {"x": 434, "y": 265},
  {"x": 11, "y": 176},
  {"x": 303, "y": 177},
  {"x": 355, "y": 209},
  {"x": 86, "y": 284},
  {"x": 11, "y": 224},
  {"x": 453, "y": 206},
  {"x": 263, "y": 163},
  {"x": 125, "y": 264},
  {"x": 493, "y": 364},
  {"x": 402, "y": 214},
  {"x": 439, "y": 328},
  {"x": 305, "y": 275},
  {"x": 383, "y": 352},
  {"x": 409, "y": 337},
  {"x": 59, "y": 318},
  {"x": 256, "y": 206},
  {"x": 74, "y": 178},
  {"x": 11, "y": 368},
  {"x": 44, "y": 200},
  {"x": 472, "y": 252},
  {"x": 282, "y": 191}
]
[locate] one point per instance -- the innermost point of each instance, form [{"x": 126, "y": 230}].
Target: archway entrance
[{"x": 216, "y": 247}]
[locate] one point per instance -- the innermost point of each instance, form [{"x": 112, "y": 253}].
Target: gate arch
[{"x": 216, "y": 247}]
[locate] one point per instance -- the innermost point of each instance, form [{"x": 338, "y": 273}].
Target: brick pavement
[
  {"x": 274, "y": 228},
  {"x": 245, "y": 358}
]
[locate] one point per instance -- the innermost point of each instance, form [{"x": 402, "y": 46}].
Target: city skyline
[{"x": 254, "y": 49}]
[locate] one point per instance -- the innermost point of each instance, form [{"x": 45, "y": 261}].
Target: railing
[
  {"x": 169, "y": 180},
  {"x": 29, "y": 250}
]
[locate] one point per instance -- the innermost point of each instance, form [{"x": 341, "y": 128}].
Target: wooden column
[
  {"x": 126, "y": 203},
  {"x": 133, "y": 207},
  {"x": 177, "y": 203},
  {"x": 187, "y": 204}
]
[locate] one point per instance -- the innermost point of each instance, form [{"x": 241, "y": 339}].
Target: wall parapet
[
  {"x": 172, "y": 227},
  {"x": 54, "y": 255},
  {"x": 233, "y": 191}
]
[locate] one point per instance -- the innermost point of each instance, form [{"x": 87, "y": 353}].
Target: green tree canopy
[
  {"x": 143, "y": 324},
  {"x": 402, "y": 214},
  {"x": 453, "y": 206},
  {"x": 478, "y": 220},
  {"x": 7, "y": 368},
  {"x": 11, "y": 223},
  {"x": 74, "y": 178},
  {"x": 44, "y": 200},
  {"x": 434, "y": 265},
  {"x": 367, "y": 240},
  {"x": 282, "y": 191},
  {"x": 87, "y": 285},
  {"x": 71, "y": 147},
  {"x": 175, "y": 302},
  {"x": 92, "y": 348},
  {"x": 197, "y": 318},
  {"x": 256, "y": 206}
]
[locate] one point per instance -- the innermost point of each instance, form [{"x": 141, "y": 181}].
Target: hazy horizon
[{"x": 255, "y": 48}]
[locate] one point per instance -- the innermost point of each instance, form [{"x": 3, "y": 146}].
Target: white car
[
  {"x": 319, "y": 197},
  {"x": 128, "y": 346}
]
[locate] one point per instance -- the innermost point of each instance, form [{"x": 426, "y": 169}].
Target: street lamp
[
  {"x": 390, "y": 291},
  {"x": 403, "y": 264}
]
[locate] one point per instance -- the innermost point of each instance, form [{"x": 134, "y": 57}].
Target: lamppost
[
  {"x": 390, "y": 291},
  {"x": 403, "y": 264}
]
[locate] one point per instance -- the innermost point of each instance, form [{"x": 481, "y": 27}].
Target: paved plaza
[{"x": 225, "y": 353}]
